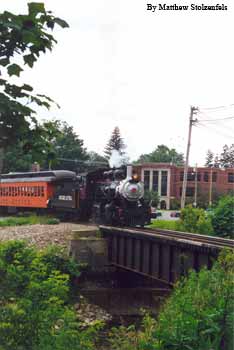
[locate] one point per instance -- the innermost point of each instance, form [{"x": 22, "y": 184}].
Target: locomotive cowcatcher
[{"x": 107, "y": 196}]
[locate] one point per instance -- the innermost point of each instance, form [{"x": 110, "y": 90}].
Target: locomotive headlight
[{"x": 135, "y": 177}]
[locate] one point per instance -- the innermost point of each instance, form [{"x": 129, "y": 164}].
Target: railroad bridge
[{"x": 161, "y": 254}]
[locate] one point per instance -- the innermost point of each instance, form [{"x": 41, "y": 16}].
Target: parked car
[
  {"x": 154, "y": 213},
  {"x": 175, "y": 214}
]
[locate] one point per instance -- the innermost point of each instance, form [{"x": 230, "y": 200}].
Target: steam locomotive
[{"x": 106, "y": 196}]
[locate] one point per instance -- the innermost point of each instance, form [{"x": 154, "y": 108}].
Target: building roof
[{"x": 39, "y": 176}]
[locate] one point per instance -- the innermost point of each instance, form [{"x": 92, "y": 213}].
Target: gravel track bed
[{"x": 40, "y": 235}]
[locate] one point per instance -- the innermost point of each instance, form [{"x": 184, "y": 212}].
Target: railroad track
[
  {"x": 211, "y": 240},
  {"x": 199, "y": 239}
]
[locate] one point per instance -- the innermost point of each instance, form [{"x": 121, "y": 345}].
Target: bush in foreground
[
  {"x": 199, "y": 315},
  {"x": 34, "y": 294}
]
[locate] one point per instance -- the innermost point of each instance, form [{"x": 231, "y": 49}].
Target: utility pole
[
  {"x": 193, "y": 110},
  {"x": 210, "y": 189},
  {"x": 195, "y": 192}
]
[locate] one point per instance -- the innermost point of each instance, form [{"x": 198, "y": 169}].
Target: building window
[
  {"x": 231, "y": 177},
  {"x": 181, "y": 176},
  {"x": 155, "y": 181},
  {"x": 189, "y": 191},
  {"x": 214, "y": 177},
  {"x": 147, "y": 179},
  {"x": 206, "y": 177},
  {"x": 164, "y": 183},
  {"x": 191, "y": 176},
  {"x": 198, "y": 176}
]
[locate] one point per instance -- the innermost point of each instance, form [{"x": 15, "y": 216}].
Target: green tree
[
  {"x": 223, "y": 217},
  {"x": 162, "y": 154},
  {"x": 23, "y": 39},
  {"x": 216, "y": 161},
  {"x": 52, "y": 144},
  {"x": 209, "y": 159},
  {"x": 67, "y": 147},
  {"x": 115, "y": 143},
  {"x": 95, "y": 157},
  {"x": 227, "y": 156}
]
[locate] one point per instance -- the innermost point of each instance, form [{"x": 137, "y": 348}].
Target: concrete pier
[{"x": 87, "y": 246}]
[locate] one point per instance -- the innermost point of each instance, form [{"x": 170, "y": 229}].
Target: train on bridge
[{"x": 109, "y": 196}]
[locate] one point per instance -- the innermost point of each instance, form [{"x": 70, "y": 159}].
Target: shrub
[
  {"x": 198, "y": 315},
  {"x": 195, "y": 220},
  {"x": 34, "y": 293},
  {"x": 223, "y": 217}
]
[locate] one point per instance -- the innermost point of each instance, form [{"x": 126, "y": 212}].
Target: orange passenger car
[{"x": 28, "y": 190}]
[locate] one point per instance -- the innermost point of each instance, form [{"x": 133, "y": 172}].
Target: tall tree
[
  {"x": 23, "y": 38},
  {"x": 96, "y": 158},
  {"x": 68, "y": 147},
  {"x": 54, "y": 145},
  {"x": 163, "y": 154},
  {"x": 209, "y": 159},
  {"x": 115, "y": 143},
  {"x": 227, "y": 156},
  {"x": 216, "y": 161}
]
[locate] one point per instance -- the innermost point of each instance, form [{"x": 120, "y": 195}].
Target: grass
[
  {"x": 30, "y": 220},
  {"x": 165, "y": 224}
]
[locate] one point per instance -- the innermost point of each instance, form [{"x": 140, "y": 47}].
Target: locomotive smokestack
[{"x": 129, "y": 171}]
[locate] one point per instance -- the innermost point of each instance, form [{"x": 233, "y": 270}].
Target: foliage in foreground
[
  {"x": 24, "y": 38},
  {"x": 34, "y": 309},
  {"x": 30, "y": 220},
  {"x": 199, "y": 315}
]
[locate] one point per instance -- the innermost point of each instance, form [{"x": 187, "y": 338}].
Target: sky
[{"x": 119, "y": 64}]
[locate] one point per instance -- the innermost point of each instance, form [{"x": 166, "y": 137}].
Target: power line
[
  {"x": 214, "y": 130},
  {"x": 218, "y": 107},
  {"x": 215, "y": 120}
]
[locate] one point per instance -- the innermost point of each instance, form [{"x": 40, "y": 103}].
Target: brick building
[{"x": 167, "y": 180}]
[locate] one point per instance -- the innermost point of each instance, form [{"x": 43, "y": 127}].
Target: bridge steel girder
[{"x": 156, "y": 255}]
